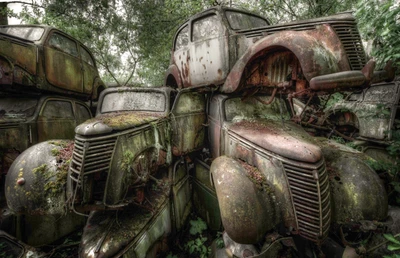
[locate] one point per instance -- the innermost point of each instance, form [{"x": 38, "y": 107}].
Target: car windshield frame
[
  {"x": 18, "y": 107},
  {"x": 257, "y": 103},
  {"x": 251, "y": 23},
  {"x": 31, "y": 33},
  {"x": 141, "y": 101}
]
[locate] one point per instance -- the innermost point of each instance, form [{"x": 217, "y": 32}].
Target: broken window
[
  {"x": 182, "y": 39},
  {"x": 133, "y": 101},
  {"x": 242, "y": 21},
  {"x": 58, "y": 109},
  {"x": 82, "y": 113},
  {"x": 207, "y": 28},
  {"x": 29, "y": 33},
  {"x": 86, "y": 57},
  {"x": 63, "y": 44}
]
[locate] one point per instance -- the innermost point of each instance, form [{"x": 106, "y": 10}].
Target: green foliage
[
  {"x": 379, "y": 23},
  {"x": 219, "y": 241},
  {"x": 394, "y": 245},
  {"x": 197, "y": 226},
  {"x": 198, "y": 245},
  {"x": 289, "y": 10}
]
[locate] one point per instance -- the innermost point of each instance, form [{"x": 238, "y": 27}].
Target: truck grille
[
  {"x": 351, "y": 41},
  {"x": 309, "y": 187},
  {"x": 90, "y": 157},
  {"x": 9, "y": 125}
]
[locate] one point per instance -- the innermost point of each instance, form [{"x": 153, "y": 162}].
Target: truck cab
[{"x": 309, "y": 186}]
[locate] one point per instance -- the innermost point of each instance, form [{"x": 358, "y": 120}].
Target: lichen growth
[
  {"x": 126, "y": 161},
  {"x": 256, "y": 176},
  {"x": 42, "y": 169},
  {"x": 124, "y": 120}
]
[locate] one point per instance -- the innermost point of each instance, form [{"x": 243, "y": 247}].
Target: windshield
[
  {"x": 253, "y": 107},
  {"x": 243, "y": 21},
  {"x": 29, "y": 33},
  {"x": 17, "y": 107},
  {"x": 133, "y": 101}
]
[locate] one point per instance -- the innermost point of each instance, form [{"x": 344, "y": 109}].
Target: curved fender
[
  {"x": 357, "y": 192},
  {"x": 319, "y": 52},
  {"x": 35, "y": 183},
  {"x": 173, "y": 71},
  {"x": 248, "y": 209}
]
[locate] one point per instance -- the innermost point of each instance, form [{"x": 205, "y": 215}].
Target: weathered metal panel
[
  {"x": 373, "y": 112},
  {"x": 209, "y": 61},
  {"x": 23, "y": 55},
  {"x": 204, "y": 197},
  {"x": 63, "y": 70},
  {"x": 131, "y": 232},
  {"x": 187, "y": 122}
]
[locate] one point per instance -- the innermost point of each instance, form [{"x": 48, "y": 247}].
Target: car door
[
  {"x": 188, "y": 122},
  {"x": 56, "y": 120},
  {"x": 62, "y": 65},
  {"x": 208, "y": 60}
]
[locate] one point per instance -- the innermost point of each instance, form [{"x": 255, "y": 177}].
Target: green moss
[
  {"x": 125, "y": 119},
  {"x": 42, "y": 169},
  {"x": 60, "y": 143},
  {"x": 126, "y": 161},
  {"x": 55, "y": 152}
]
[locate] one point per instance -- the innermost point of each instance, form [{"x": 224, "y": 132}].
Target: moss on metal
[{"x": 125, "y": 120}]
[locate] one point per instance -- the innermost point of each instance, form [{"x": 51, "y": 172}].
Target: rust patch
[{"x": 256, "y": 177}]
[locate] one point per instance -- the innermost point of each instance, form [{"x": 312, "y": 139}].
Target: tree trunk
[{"x": 3, "y": 13}]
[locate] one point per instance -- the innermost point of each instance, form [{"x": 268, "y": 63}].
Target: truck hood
[
  {"x": 106, "y": 123},
  {"x": 289, "y": 141}
]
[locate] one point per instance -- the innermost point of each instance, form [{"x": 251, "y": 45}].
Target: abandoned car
[
  {"x": 45, "y": 59},
  {"x": 228, "y": 132},
  {"x": 25, "y": 121}
]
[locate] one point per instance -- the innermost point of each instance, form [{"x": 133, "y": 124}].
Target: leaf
[
  {"x": 391, "y": 238},
  {"x": 393, "y": 247}
]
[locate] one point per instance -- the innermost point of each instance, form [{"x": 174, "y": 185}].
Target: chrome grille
[
  {"x": 309, "y": 187},
  {"x": 351, "y": 41},
  {"x": 91, "y": 156}
]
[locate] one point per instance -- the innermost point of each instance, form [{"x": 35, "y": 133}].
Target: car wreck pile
[{"x": 224, "y": 137}]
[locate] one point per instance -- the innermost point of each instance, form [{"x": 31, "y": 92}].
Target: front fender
[
  {"x": 357, "y": 192},
  {"x": 246, "y": 200},
  {"x": 35, "y": 183},
  {"x": 319, "y": 52}
]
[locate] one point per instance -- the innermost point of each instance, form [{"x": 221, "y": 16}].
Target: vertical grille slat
[
  {"x": 90, "y": 156},
  {"x": 309, "y": 187},
  {"x": 351, "y": 41}
]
